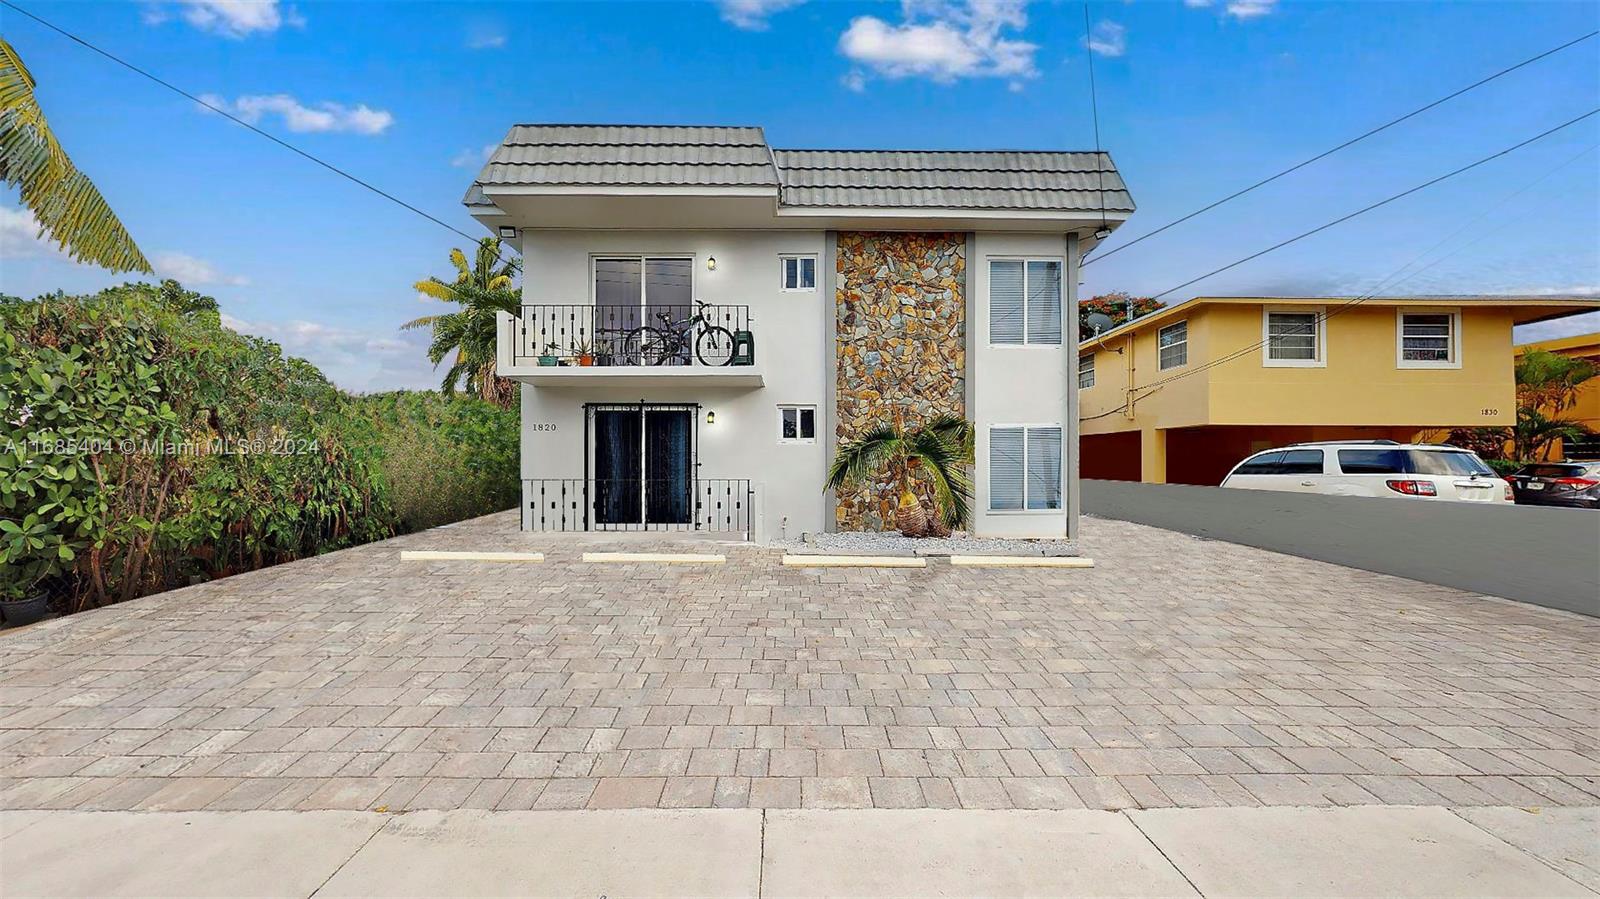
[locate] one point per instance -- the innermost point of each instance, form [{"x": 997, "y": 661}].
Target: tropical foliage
[
  {"x": 467, "y": 337},
  {"x": 444, "y": 459},
  {"x": 1116, "y": 306},
  {"x": 68, "y": 207},
  {"x": 1547, "y": 387},
  {"x": 935, "y": 455},
  {"x": 144, "y": 446}
]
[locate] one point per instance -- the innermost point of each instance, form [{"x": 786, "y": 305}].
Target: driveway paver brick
[{"x": 1177, "y": 673}]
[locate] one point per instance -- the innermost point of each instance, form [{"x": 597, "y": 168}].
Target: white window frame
[
  {"x": 1061, "y": 483},
  {"x": 1400, "y": 313},
  {"x": 1027, "y": 342},
  {"x": 783, "y": 265},
  {"x": 1159, "y": 365},
  {"x": 1083, "y": 383},
  {"x": 1320, "y": 335},
  {"x": 784, "y": 407}
]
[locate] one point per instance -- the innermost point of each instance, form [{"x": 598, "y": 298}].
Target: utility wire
[
  {"x": 238, "y": 121},
  {"x": 1094, "y": 107},
  {"x": 1326, "y": 153},
  {"x": 1384, "y": 202},
  {"x": 1387, "y": 281}
]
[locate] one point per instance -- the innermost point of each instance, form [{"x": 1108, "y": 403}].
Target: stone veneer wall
[{"x": 900, "y": 328}]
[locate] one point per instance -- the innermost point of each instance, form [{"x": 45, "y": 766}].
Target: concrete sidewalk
[{"x": 1289, "y": 851}]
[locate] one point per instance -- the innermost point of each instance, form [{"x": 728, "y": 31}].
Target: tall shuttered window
[
  {"x": 1085, "y": 371},
  {"x": 1025, "y": 468},
  {"x": 1025, "y": 302}
]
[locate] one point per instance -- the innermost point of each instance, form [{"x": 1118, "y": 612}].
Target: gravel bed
[{"x": 860, "y": 543}]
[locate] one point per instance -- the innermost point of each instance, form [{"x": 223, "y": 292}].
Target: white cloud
[
  {"x": 1250, "y": 9},
  {"x": 20, "y": 239},
  {"x": 485, "y": 36},
  {"x": 944, "y": 40},
  {"x": 192, "y": 271},
  {"x": 752, "y": 15},
  {"x": 473, "y": 159},
  {"x": 854, "y": 80},
  {"x": 355, "y": 359},
  {"x": 1570, "y": 326},
  {"x": 229, "y": 18},
  {"x": 1107, "y": 39},
  {"x": 326, "y": 116},
  {"x": 1238, "y": 9}
]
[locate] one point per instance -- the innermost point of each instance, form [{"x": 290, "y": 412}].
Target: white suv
[{"x": 1373, "y": 468}]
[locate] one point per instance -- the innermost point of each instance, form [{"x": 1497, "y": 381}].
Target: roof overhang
[
  {"x": 742, "y": 208},
  {"x": 1524, "y": 310}
]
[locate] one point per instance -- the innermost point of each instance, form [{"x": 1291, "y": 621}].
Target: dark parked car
[{"x": 1558, "y": 484}]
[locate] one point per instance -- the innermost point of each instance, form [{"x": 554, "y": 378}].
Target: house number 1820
[{"x": 542, "y": 426}]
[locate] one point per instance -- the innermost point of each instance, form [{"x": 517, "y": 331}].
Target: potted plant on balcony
[
  {"x": 585, "y": 353},
  {"x": 29, "y": 550},
  {"x": 935, "y": 455},
  {"x": 549, "y": 357}
]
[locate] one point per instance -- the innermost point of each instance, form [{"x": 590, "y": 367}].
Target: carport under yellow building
[{"x": 1182, "y": 394}]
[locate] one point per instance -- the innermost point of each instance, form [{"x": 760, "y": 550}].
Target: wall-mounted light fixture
[
  {"x": 711, "y": 417},
  {"x": 711, "y": 263},
  {"x": 508, "y": 232},
  {"x": 1102, "y": 234}
]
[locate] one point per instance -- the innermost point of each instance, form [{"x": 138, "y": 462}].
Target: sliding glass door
[
  {"x": 631, "y": 292},
  {"x": 643, "y": 463}
]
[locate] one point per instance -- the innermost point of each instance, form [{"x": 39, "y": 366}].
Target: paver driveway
[{"x": 1178, "y": 672}]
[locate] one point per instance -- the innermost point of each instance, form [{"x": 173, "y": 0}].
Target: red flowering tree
[{"x": 1114, "y": 304}]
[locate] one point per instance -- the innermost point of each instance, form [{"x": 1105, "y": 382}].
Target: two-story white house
[{"x": 706, "y": 318}]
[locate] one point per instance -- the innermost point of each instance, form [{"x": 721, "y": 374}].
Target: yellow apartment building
[
  {"x": 1184, "y": 393},
  {"x": 1587, "y": 408}
]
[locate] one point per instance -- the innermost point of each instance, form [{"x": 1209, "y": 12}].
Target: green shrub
[
  {"x": 443, "y": 459},
  {"x": 144, "y": 445}
]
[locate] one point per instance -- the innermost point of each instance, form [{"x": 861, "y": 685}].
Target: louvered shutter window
[
  {"x": 1005, "y": 469},
  {"x": 1044, "y": 302},
  {"x": 1006, "y": 301},
  {"x": 1044, "y": 468}
]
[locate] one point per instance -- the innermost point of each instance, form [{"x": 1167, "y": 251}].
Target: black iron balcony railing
[
  {"x": 710, "y": 505},
  {"x": 704, "y": 334}
]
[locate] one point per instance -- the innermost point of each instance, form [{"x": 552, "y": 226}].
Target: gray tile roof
[
  {"x": 1001, "y": 179},
  {"x": 687, "y": 155},
  {"x": 624, "y": 155}
]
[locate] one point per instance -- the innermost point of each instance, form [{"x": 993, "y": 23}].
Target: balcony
[{"x": 576, "y": 344}]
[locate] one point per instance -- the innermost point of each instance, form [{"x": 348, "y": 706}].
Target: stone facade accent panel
[{"x": 900, "y": 336}]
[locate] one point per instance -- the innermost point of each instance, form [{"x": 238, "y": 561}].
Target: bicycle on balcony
[{"x": 668, "y": 342}]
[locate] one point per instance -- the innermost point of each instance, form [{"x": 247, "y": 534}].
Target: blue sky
[{"x": 1196, "y": 100}]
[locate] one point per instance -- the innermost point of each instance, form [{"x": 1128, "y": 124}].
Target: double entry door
[{"x": 643, "y": 463}]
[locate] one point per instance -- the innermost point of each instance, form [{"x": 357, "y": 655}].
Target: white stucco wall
[
  {"x": 1019, "y": 385},
  {"x": 790, "y": 351}
]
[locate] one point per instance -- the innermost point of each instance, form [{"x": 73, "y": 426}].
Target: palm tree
[
  {"x": 62, "y": 199},
  {"x": 481, "y": 290},
  {"x": 935, "y": 453}
]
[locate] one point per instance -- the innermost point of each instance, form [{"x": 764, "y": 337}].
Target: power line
[
  {"x": 1369, "y": 294},
  {"x": 1326, "y": 153},
  {"x": 1384, "y": 202},
  {"x": 238, "y": 121},
  {"x": 1094, "y": 107}
]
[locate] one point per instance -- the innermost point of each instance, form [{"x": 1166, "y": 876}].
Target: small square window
[
  {"x": 1429, "y": 340},
  {"x": 799, "y": 272},
  {"x": 797, "y": 424}
]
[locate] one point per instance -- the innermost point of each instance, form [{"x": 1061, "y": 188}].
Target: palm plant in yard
[
  {"x": 64, "y": 202},
  {"x": 467, "y": 336},
  {"x": 935, "y": 454}
]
